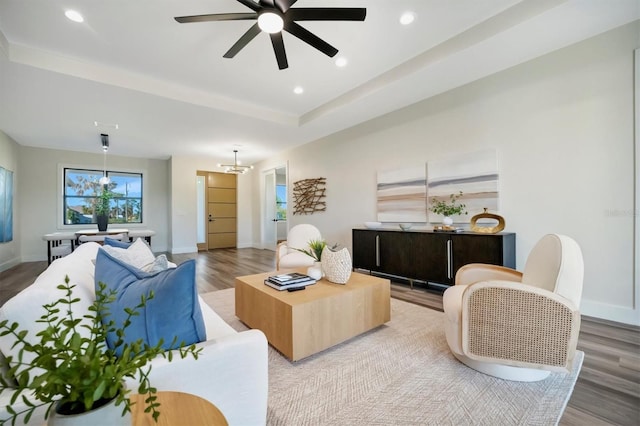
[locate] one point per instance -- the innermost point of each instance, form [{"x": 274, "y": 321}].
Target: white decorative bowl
[
  {"x": 405, "y": 226},
  {"x": 373, "y": 225}
]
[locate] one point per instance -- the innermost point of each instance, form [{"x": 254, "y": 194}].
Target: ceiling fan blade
[
  {"x": 327, "y": 14},
  {"x": 243, "y": 41},
  {"x": 310, "y": 38},
  {"x": 278, "y": 49},
  {"x": 251, "y": 4},
  {"x": 284, "y": 5},
  {"x": 267, "y": 3},
  {"x": 216, "y": 17}
]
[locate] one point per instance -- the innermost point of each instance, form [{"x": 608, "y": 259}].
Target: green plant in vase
[
  {"x": 448, "y": 208},
  {"x": 73, "y": 370},
  {"x": 315, "y": 249},
  {"x": 103, "y": 207}
]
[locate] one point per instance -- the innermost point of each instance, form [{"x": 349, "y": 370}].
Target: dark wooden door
[
  {"x": 364, "y": 249},
  {"x": 396, "y": 253},
  {"x": 431, "y": 261},
  {"x": 467, "y": 249}
]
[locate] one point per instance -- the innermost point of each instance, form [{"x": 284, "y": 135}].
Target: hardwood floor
[{"x": 608, "y": 388}]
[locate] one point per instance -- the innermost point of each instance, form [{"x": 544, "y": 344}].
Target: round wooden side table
[{"x": 177, "y": 408}]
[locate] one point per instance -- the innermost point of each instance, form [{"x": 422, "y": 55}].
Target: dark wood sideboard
[{"x": 428, "y": 256}]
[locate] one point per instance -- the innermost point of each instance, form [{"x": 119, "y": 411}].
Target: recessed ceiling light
[
  {"x": 407, "y": 18},
  {"x": 341, "y": 62},
  {"x": 298, "y": 90},
  {"x": 74, "y": 16}
]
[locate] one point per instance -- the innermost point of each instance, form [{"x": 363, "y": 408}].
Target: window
[
  {"x": 281, "y": 202},
  {"x": 81, "y": 190}
]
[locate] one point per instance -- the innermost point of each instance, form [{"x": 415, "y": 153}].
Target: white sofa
[{"x": 231, "y": 370}]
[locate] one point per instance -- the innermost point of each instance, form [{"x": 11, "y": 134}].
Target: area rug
[{"x": 401, "y": 373}]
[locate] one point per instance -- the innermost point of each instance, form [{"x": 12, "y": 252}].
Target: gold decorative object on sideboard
[{"x": 487, "y": 229}]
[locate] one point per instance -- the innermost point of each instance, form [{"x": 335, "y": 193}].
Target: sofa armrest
[
  {"x": 521, "y": 326},
  {"x": 230, "y": 372},
  {"x": 475, "y": 272}
]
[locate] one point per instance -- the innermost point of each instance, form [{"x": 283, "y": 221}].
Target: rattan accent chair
[{"x": 518, "y": 326}]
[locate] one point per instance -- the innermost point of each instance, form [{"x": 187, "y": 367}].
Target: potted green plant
[
  {"x": 102, "y": 208},
  {"x": 73, "y": 371},
  {"x": 315, "y": 249},
  {"x": 448, "y": 209}
]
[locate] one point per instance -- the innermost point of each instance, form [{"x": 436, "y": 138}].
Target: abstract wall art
[
  {"x": 309, "y": 196},
  {"x": 6, "y": 205},
  {"x": 401, "y": 195},
  {"x": 473, "y": 173}
]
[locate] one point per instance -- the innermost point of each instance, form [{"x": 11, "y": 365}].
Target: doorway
[
  {"x": 217, "y": 210},
  {"x": 275, "y": 207}
]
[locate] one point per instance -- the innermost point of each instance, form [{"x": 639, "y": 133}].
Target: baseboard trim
[
  {"x": 9, "y": 264},
  {"x": 182, "y": 250}
]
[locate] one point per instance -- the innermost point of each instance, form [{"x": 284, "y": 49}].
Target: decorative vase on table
[
  {"x": 447, "y": 221},
  {"x": 103, "y": 222},
  {"x": 107, "y": 414},
  {"x": 315, "y": 271},
  {"x": 337, "y": 265}
]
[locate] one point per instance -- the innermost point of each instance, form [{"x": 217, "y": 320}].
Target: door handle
[
  {"x": 449, "y": 259},
  {"x": 211, "y": 219}
]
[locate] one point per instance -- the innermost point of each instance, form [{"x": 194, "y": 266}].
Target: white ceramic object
[
  {"x": 108, "y": 414},
  {"x": 447, "y": 221},
  {"x": 315, "y": 271},
  {"x": 373, "y": 225},
  {"x": 405, "y": 226}
]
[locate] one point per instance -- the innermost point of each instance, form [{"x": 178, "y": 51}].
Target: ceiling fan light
[{"x": 270, "y": 22}]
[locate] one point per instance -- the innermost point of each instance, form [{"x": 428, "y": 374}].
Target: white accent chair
[
  {"x": 287, "y": 257},
  {"x": 518, "y": 326},
  {"x": 59, "y": 244}
]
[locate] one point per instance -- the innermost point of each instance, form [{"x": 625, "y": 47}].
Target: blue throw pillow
[
  {"x": 116, "y": 243},
  {"x": 173, "y": 312}
]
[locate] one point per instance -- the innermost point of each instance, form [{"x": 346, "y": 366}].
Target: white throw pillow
[
  {"x": 138, "y": 254},
  {"x": 159, "y": 264}
]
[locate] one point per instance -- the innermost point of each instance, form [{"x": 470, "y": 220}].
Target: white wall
[
  {"x": 40, "y": 186},
  {"x": 563, "y": 129},
  {"x": 184, "y": 202},
  {"x": 10, "y": 250}
]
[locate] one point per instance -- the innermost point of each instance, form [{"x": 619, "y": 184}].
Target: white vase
[
  {"x": 337, "y": 265},
  {"x": 447, "y": 221},
  {"x": 108, "y": 414},
  {"x": 315, "y": 271}
]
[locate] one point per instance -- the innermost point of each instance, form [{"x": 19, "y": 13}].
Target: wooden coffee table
[{"x": 305, "y": 322}]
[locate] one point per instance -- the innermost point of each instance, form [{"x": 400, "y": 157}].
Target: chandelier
[{"x": 235, "y": 168}]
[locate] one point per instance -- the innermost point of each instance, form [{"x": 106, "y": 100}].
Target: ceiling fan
[{"x": 273, "y": 16}]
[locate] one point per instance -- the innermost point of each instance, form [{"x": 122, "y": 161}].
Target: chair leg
[{"x": 49, "y": 252}]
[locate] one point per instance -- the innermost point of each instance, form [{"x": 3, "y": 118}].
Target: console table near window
[
  {"x": 141, "y": 233},
  {"x": 85, "y": 235}
]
